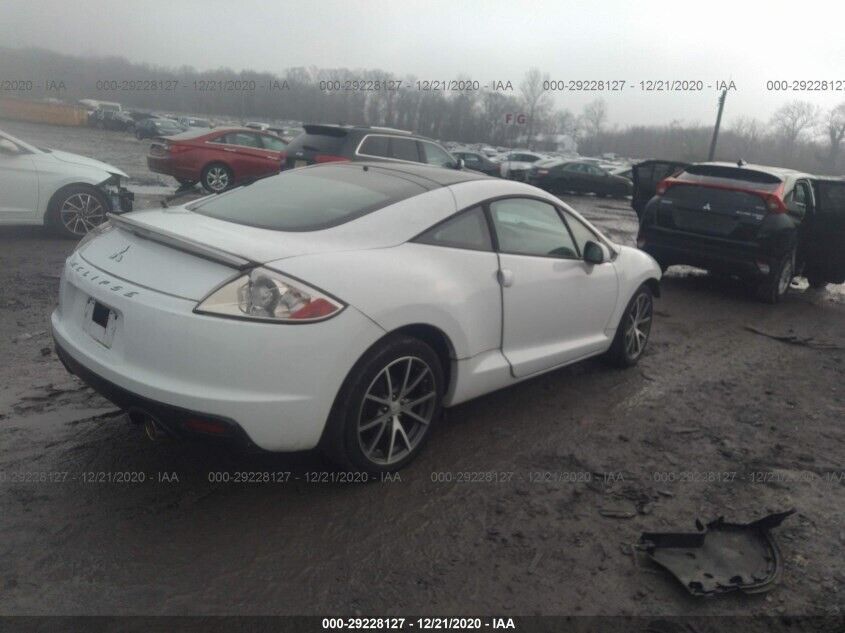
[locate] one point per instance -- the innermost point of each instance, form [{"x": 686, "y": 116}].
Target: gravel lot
[{"x": 710, "y": 398}]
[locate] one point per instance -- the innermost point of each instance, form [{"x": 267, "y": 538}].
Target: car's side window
[
  {"x": 468, "y": 229},
  {"x": 404, "y": 149},
  {"x": 798, "y": 199},
  {"x": 375, "y": 146},
  {"x": 272, "y": 143},
  {"x": 434, "y": 155},
  {"x": 243, "y": 139},
  {"x": 471, "y": 160},
  {"x": 580, "y": 232},
  {"x": 531, "y": 227}
]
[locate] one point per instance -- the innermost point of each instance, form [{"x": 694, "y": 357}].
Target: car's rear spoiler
[{"x": 180, "y": 242}]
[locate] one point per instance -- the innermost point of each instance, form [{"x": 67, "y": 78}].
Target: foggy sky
[{"x": 748, "y": 42}]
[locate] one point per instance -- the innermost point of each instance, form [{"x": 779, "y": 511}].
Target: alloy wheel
[
  {"x": 638, "y": 326},
  {"x": 785, "y": 277},
  {"x": 397, "y": 409},
  {"x": 82, "y": 212},
  {"x": 217, "y": 178}
]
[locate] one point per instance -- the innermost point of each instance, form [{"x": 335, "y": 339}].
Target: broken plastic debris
[{"x": 721, "y": 556}]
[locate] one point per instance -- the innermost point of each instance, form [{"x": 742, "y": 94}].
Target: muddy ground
[{"x": 716, "y": 420}]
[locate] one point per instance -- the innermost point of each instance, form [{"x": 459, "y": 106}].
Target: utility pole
[{"x": 712, "y": 153}]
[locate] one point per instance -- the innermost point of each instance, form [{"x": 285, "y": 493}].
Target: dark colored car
[
  {"x": 646, "y": 176},
  {"x": 111, "y": 120},
  {"x": 328, "y": 143},
  {"x": 150, "y": 128},
  {"x": 558, "y": 175},
  {"x": 219, "y": 158},
  {"x": 763, "y": 224},
  {"x": 477, "y": 161},
  {"x": 189, "y": 121}
]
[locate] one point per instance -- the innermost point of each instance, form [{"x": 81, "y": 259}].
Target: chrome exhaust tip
[{"x": 152, "y": 427}]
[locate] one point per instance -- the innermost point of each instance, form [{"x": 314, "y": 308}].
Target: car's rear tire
[
  {"x": 383, "y": 414},
  {"x": 633, "y": 331},
  {"x": 217, "y": 178},
  {"x": 75, "y": 210},
  {"x": 775, "y": 286}
]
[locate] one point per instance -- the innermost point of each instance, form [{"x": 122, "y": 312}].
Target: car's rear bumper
[
  {"x": 167, "y": 166},
  {"x": 748, "y": 259},
  {"x": 176, "y": 421},
  {"x": 276, "y": 382}
]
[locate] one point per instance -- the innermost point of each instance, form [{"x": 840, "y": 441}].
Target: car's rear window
[
  {"x": 322, "y": 143},
  {"x": 309, "y": 199},
  {"x": 732, "y": 176},
  {"x": 549, "y": 162}
]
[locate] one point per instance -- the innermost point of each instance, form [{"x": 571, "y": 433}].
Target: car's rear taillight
[
  {"x": 774, "y": 203},
  {"x": 329, "y": 158},
  {"x": 662, "y": 186}
]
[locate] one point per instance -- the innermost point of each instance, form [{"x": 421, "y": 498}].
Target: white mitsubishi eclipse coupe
[{"x": 342, "y": 305}]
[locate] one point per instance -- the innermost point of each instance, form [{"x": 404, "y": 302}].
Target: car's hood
[{"x": 76, "y": 159}]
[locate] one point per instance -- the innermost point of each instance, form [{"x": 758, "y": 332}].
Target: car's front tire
[
  {"x": 77, "y": 209},
  {"x": 383, "y": 414},
  {"x": 633, "y": 331}
]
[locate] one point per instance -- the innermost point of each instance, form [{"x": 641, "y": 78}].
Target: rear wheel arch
[
  {"x": 428, "y": 339},
  {"x": 654, "y": 286}
]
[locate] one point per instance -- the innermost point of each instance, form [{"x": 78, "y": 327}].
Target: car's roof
[
  {"x": 204, "y": 131},
  {"x": 778, "y": 172},
  {"x": 329, "y": 128},
  {"x": 427, "y": 176}
]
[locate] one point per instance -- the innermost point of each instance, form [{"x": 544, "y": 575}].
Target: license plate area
[
  {"x": 100, "y": 322},
  {"x": 300, "y": 163}
]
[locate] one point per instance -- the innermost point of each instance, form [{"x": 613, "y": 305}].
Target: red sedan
[{"x": 219, "y": 158}]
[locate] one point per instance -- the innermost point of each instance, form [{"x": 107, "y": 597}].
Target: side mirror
[
  {"x": 7, "y": 147},
  {"x": 594, "y": 253},
  {"x": 459, "y": 163}
]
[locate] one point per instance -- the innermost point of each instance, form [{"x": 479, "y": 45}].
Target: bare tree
[
  {"x": 791, "y": 120},
  {"x": 749, "y": 133},
  {"x": 594, "y": 117},
  {"x": 536, "y": 100},
  {"x": 833, "y": 127}
]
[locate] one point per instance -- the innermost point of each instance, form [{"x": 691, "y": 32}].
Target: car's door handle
[
  {"x": 505, "y": 277},
  {"x": 229, "y": 149}
]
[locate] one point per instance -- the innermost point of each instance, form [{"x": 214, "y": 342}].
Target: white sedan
[
  {"x": 341, "y": 306},
  {"x": 516, "y": 165},
  {"x": 69, "y": 193}
]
